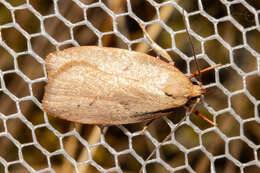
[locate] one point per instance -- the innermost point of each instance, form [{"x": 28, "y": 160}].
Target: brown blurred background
[{"x": 32, "y": 141}]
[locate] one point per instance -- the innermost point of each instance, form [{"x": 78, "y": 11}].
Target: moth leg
[
  {"x": 204, "y": 70},
  {"x": 158, "y": 49},
  {"x": 169, "y": 136},
  {"x": 146, "y": 125},
  {"x": 202, "y": 116}
]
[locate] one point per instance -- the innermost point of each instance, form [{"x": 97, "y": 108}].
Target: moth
[{"x": 100, "y": 85}]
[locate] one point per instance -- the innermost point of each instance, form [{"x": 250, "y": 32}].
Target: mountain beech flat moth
[{"x": 100, "y": 85}]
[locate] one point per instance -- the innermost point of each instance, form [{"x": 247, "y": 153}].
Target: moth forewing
[{"x": 98, "y": 85}]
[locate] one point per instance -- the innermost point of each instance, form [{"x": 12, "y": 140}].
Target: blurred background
[{"x": 222, "y": 31}]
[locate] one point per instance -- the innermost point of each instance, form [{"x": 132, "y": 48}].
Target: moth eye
[
  {"x": 193, "y": 98},
  {"x": 194, "y": 83}
]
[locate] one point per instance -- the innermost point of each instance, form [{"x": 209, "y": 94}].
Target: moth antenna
[
  {"x": 192, "y": 47},
  {"x": 173, "y": 131}
]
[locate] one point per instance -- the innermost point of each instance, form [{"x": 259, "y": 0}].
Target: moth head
[
  {"x": 181, "y": 87},
  {"x": 196, "y": 91}
]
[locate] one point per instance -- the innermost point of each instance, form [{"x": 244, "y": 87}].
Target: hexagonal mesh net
[{"x": 222, "y": 31}]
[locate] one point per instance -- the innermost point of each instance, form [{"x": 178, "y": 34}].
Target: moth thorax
[{"x": 196, "y": 91}]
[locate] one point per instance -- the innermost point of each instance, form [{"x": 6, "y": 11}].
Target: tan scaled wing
[
  {"x": 99, "y": 85},
  {"x": 134, "y": 65},
  {"x": 80, "y": 92}
]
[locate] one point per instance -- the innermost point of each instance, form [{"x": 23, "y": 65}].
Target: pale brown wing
[
  {"x": 130, "y": 64},
  {"x": 82, "y": 93}
]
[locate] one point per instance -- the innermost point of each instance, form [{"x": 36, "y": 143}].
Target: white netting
[{"x": 223, "y": 31}]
